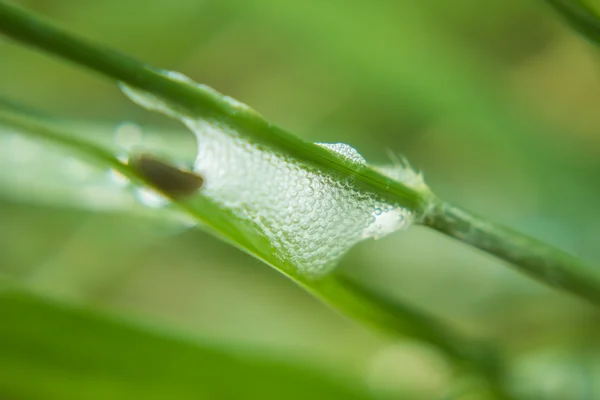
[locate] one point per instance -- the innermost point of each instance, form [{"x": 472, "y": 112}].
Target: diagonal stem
[
  {"x": 545, "y": 263},
  {"x": 534, "y": 258}
]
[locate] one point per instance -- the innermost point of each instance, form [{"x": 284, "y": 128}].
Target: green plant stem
[
  {"x": 580, "y": 16},
  {"x": 543, "y": 262},
  {"x": 197, "y": 101},
  {"x": 350, "y": 298}
]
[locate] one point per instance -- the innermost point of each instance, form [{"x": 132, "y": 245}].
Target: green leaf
[
  {"x": 331, "y": 288},
  {"x": 233, "y": 130},
  {"x": 51, "y": 351},
  {"x": 242, "y": 142}
]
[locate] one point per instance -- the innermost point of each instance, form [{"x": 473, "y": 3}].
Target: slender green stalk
[
  {"x": 532, "y": 257},
  {"x": 25, "y": 27},
  {"x": 580, "y": 16},
  {"x": 350, "y": 298},
  {"x": 538, "y": 260}
]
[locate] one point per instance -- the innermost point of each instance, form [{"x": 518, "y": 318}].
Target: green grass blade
[
  {"x": 372, "y": 310},
  {"x": 50, "y": 351},
  {"x": 23, "y": 26},
  {"x": 185, "y": 100}
]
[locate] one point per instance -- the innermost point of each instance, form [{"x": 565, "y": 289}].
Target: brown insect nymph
[{"x": 168, "y": 179}]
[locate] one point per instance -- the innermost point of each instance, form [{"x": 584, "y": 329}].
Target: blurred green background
[{"x": 497, "y": 104}]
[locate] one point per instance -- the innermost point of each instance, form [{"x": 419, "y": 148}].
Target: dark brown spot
[{"x": 170, "y": 180}]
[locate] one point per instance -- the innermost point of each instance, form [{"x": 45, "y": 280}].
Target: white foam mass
[{"x": 311, "y": 218}]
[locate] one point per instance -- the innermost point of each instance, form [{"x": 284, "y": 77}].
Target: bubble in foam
[
  {"x": 346, "y": 151},
  {"x": 310, "y": 218}
]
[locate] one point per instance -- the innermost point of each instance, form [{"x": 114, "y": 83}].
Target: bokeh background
[{"x": 497, "y": 104}]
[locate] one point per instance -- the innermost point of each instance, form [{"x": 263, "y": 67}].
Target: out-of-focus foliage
[
  {"x": 497, "y": 104},
  {"x": 81, "y": 355}
]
